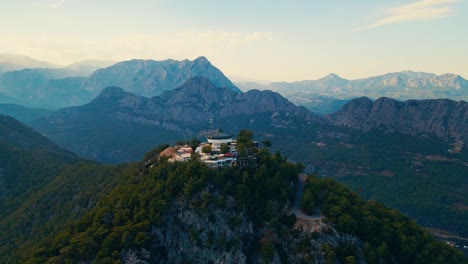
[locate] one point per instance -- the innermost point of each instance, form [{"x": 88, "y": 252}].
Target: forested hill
[
  {"x": 59, "y": 208},
  {"x": 162, "y": 212},
  {"x": 28, "y": 161},
  {"x": 42, "y": 187}
]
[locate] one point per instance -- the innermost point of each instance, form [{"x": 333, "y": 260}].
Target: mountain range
[
  {"x": 326, "y": 94},
  {"x": 185, "y": 110},
  {"x": 372, "y": 146},
  {"x": 62, "y": 87},
  {"x": 394, "y": 152},
  {"x": 443, "y": 118},
  {"x": 14, "y": 62}
]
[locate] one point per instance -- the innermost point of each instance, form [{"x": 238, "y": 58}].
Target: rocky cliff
[
  {"x": 151, "y": 78},
  {"x": 443, "y": 118}
]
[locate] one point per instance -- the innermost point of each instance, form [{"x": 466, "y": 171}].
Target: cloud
[
  {"x": 421, "y": 10},
  {"x": 59, "y": 3}
]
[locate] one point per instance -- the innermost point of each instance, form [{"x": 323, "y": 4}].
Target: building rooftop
[{"x": 219, "y": 134}]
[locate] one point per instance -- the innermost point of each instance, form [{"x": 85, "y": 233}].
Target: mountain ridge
[
  {"x": 187, "y": 109},
  {"x": 150, "y": 78},
  {"x": 444, "y": 118},
  {"x": 404, "y": 85}
]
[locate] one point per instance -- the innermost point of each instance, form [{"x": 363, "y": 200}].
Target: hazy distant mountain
[
  {"x": 443, "y": 118},
  {"x": 399, "y": 85},
  {"x": 62, "y": 87},
  {"x": 403, "y": 85},
  {"x": 23, "y": 114},
  {"x": 87, "y": 67},
  {"x": 151, "y": 78},
  {"x": 120, "y": 126},
  {"x": 44, "y": 88},
  {"x": 12, "y": 62}
]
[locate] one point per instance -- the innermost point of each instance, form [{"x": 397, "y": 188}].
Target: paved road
[{"x": 296, "y": 209}]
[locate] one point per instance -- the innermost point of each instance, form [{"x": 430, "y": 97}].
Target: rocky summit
[
  {"x": 150, "y": 78},
  {"x": 443, "y": 118}
]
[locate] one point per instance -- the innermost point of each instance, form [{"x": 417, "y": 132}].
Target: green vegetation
[
  {"x": 244, "y": 141},
  {"x": 413, "y": 174},
  {"x": 387, "y": 234},
  {"x": 123, "y": 218},
  {"x": 224, "y": 148},
  {"x": 206, "y": 149},
  {"x": 75, "y": 210}
]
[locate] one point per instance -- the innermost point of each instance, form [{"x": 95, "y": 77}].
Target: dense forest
[
  {"x": 415, "y": 175},
  {"x": 163, "y": 212}
]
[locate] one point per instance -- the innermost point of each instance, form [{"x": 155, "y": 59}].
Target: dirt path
[{"x": 296, "y": 209}]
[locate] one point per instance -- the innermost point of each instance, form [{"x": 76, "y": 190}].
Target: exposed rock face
[
  {"x": 151, "y": 78},
  {"x": 187, "y": 109},
  {"x": 442, "y": 118},
  {"x": 199, "y": 99},
  {"x": 62, "y": 87},
  {"x": 223, "y": 237}
]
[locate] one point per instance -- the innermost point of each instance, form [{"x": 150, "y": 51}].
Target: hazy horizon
[{"x": 293, "y": 41}]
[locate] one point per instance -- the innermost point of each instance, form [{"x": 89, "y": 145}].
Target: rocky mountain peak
[
  {"x": 151, "y": 78},
  {"x": 202, "y": 60},
  {"x": 113, "y": 92}
]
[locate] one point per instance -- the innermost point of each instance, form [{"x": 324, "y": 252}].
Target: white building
[{"x": 217, "y": 138}]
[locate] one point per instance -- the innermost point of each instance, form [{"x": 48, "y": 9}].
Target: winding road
[{"x": 296, "y": 209}]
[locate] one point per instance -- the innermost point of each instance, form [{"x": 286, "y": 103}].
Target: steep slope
[
  {"x": 410, "y": 155},
  {"x": 42, "y": 187},
  {"x": 176, "y": 212},
  {"x": 119, "y": 126},
  {"x": 21, "y": 113},
  {"x": 442, "y": 118},
  {"x": 150, "y": 78},
  {"x": 22, "y": 149}
]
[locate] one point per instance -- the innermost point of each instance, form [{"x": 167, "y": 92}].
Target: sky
[{"x": 274, "y": 40}]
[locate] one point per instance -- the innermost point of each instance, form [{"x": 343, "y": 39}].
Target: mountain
[
  {"x": 160, "y": 212},
  {"x": 43, "y": 88},
  {"x": 151, "y": 78},
  {"x": 91, "y": 130},
  {"x": 384, "y": 164},
  {"x": 317, "y": 103},
  {"x": 409, "y": 155},
  {"x": 399, "y": 85},
  {"x": 443, "y": 118},
  {"x": 70, "y": 86},
  {"x": 23, "y": 114},
  {"x": 12, "y": 62},
  {"x": 21, "y": 149},
  {"x": 42, "y": 187},
  {"x": 91, "y": 63},
  {"x": 403, "y": 85},
  {"x": 87, "y": 67}
]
